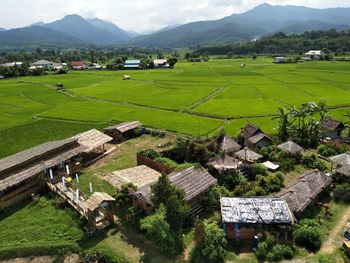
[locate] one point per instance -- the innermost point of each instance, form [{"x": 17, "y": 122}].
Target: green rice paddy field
[{"x": 196, "y": 99}]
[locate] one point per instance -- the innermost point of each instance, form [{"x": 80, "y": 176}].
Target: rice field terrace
[{"x": 194, "y": 98}]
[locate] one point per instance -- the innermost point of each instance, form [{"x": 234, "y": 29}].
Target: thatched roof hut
[
  {"x": 331, "y": 124},
  {"x": 139, "y": 176},
  {"x": 227, "y": 145},
  {"x": 255, "y": 210},
  {"x": 290, "y": 148},
  {"x": 224, "y": 163},
  {"x": 96, "y": 199},
  {"x": 194, "y": 182},
  {"x": 248, "y": 155},
  {"x": 125, "y": 126},
  {"x": 92, "y": 139},
  {"x": 249, "y": 131},
  {"x": 306, "y": 189},
  {"x": 343, "y": 163}
]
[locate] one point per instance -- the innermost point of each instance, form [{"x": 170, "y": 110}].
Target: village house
[
  {"x": 342, "y": 162},
  {"x": 279, "y": 60},
  {"x": 254, "y": 138},
  {"x": 42, "y": 64},
  {"x": 305, "y": 190},
  {"x": 195, "y": 182},
  {"x": 139, "y": 176},
  {"x": 123, "y": 131},
  {"x": 20, "y": 174},
  {"x": 132, "y": 64},
  {"x": 94, "y": 66},
  {"x": 161, "y": 63},
  {"x": 11, "y": 64},
  {"x": 314, "y": 55},
  {"x": 245, "y": 217},
  {"x": 227, "y": 145},
  {"x": 224, "y": 164},
  {"x": 58, "y": 66},
  {"x": 290, "y": 148},
  {"x": 78, "y": 65},
  {"x": 331, "y": 128},
  {"x": 248, "y": 156}
]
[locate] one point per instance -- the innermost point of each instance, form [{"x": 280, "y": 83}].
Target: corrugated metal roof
[{"x": 255, "y": 210}]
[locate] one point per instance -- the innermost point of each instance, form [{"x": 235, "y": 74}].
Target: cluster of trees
[
  {"x": 281, "y": 43},
  {"x": 302, "y": 124},
  {"x": 22, "y": 70},
  {"x": 197, "y": 57}
]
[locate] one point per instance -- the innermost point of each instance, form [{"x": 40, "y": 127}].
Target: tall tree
[{"x": 283, "y": 124}]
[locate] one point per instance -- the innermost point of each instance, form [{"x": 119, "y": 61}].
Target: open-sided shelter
[
  {"x": 99, "y": 210},
  {"x": 248, "y": 156},
  {"x": 224, "y": 164}
]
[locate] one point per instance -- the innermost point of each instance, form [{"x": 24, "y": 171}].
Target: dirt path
[{"x": 329, "y": 245}]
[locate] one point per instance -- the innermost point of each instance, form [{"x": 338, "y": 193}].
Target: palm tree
[
  {"x": 348, "y": 116},
  {"x": 322, "y": 109},
  {"x": 283, "y": 124}
]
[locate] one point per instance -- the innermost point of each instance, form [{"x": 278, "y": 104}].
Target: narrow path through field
[{"x": 329, "y": 245}]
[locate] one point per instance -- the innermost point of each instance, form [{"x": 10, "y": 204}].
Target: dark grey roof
[
  {"x": 330, "y": 124},
  {"x": 125, "y": 126},
  {"x": 301, "y": 193},
  {"x": 193, "y": 181},
  {"x": 341, "y": 159},
  {"x": 344, "y": 170},
  {"x": 290, "y": 147},
  {"x": 255, "y": 210},
  {"x": 250, "y": 130},
  {"x": 258, "y": 137}
]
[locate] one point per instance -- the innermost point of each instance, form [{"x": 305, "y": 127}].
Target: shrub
[
  {"x": 150, "y": 153},
  {"x": 62, "y": 71},
  {"x": 307, "y": 234},
  {"x": 214, "y": 194},
  {"x": 313, "y": 162},
  {"x": 326, "y": 150},
  {"x": 341, "y": 193},
  {"x": 272, "y": 251}
]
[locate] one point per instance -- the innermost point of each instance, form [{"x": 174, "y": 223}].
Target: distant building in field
[
  {"x": 123, "y": 130},
  {"x": 315, "y": 55},
  {"x": 161, "y": 63},
  {"x": 132, "y": 64},
  {"x": 42, "y": 64},
  {"x": 279, "y": 60},
  {"x": 94, "y": 66},
  {"x": 11, "y": 64},
  {"x": 78, "y": 65}
]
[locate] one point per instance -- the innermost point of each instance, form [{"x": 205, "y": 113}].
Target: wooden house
[
  {"x": 254, "y": 138},
  {"x": 290, "y": 148},
  {"x": 21, "y": 174},
  {"x": 332, "y": 129},
  {"x": 123, "y": 130},
  {"x": 245, "y": 217},
  {"x": 195, "y": 182},
  {"x": 305, "y": 190},
  {"x": 99, "y": 210},
  {"x": 139, "y": 176}
]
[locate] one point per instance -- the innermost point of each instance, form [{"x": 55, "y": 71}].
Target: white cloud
[{"x": 137, "y": 15}]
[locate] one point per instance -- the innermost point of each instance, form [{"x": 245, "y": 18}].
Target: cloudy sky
[{"x": 137, "y": 15}]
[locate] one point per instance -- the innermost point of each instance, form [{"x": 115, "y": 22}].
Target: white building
[
  {"x": 279, "y": 59},
  {"x": 43, "y": 64},
  {"x": 314, "y": 55}
]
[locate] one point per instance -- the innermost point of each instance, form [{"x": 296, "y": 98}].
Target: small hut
[
  {"x": 224, "y": 164},
  {"x": 99, "y": 210},
  {"x": 245, "y": 217},
  {"x": 123, "y": 131},
  {"x": 305, "y": 190},
  {"x": 290, "y": 148},
  {"x": 248, "y": 156},
  {"x": 342, "y": 161},
  {"x": 253, "y": 137}
]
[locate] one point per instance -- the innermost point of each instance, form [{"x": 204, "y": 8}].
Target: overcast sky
[{"x": 137, "y": 15}]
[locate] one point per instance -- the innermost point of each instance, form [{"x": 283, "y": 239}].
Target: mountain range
[{"x": 262, "y": 20}]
